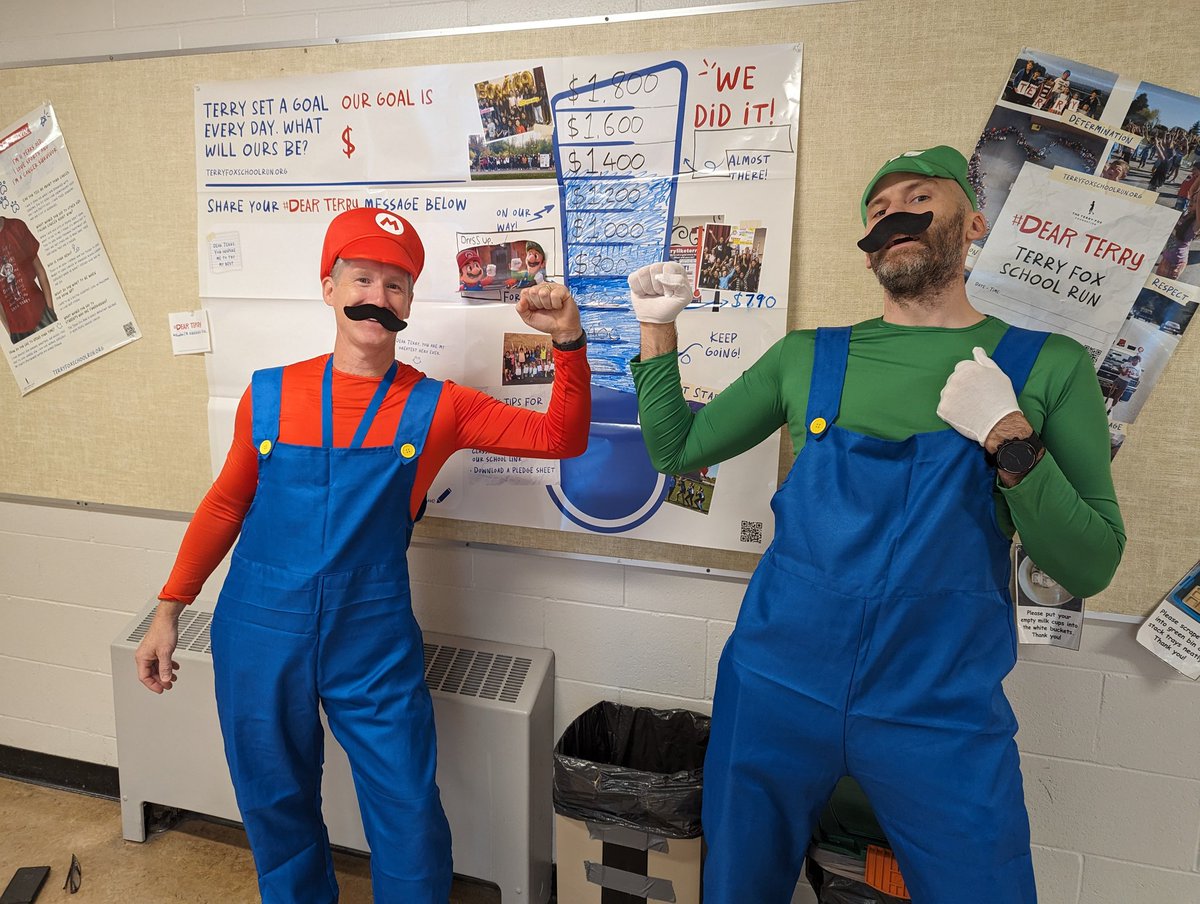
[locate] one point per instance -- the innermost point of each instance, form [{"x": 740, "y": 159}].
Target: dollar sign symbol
[
  {"x": 349, "y": 149},
  {"x": 571, "y": 126},
  {"x": 573, "y": 159},
  {"x": 574, "y": 93}
]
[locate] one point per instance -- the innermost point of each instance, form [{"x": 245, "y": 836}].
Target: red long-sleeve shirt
[{"x": 464, "y": 419}]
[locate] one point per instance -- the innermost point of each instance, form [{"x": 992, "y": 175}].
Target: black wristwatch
[{"x": 1017, "y": 456}]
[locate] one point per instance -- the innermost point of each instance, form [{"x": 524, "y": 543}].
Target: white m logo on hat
[{"x": 389, "y": 223}]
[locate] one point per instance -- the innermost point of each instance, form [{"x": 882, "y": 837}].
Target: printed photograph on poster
[
  {"x": 26, "y": 303},
  {"x": 514, "y": 104},
  {"x": 528, "y": 358},
  {"x": 1117, "y": 434},
  {"x": 485, "y": 267},
  {"x": 1010, "y": 140},
  {"x": 1169, "y": 123},
  {"x": 685, "y": 240},
  {"x": 1056, "y": 86},
  {"x": 1180, "y": 258},
  {"x": 1172, "y": 631},
  {"x": 1141, "y": 351},
  {"x": 1047, "y": 613},
  {"x": 730, "y": 257},
  {"x": 60, "y": 303},
  {"x": 693, "y": 490},
  {"x": 528, "y": 156}
]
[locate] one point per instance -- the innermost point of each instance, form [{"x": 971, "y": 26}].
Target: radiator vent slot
[
  {"x": 475, "y": 673},
  {"x": 193, "y": 631}
]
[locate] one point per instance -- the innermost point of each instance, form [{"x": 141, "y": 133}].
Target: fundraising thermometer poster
[{"x": 575, "y": 170}]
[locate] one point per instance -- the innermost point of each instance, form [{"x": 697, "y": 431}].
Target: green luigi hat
[{"x": 942, "y": 162}]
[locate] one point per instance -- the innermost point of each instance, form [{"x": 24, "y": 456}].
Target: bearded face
[{"x": 914, "y": 267}]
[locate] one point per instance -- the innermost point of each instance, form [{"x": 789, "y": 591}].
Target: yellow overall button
[
  {"x": 408, "y": 450},
  {"x": 818, "y": 425},
  {"x": 265, "y": 447}
]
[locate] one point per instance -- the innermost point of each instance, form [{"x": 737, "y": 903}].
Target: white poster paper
[
  {"x": 1067, "y": 257},
  {"x": 60, "y": 303},
  {"x": 575, "y": 170}
]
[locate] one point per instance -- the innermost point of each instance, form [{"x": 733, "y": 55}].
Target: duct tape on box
[{"x": 639, "y": 886}]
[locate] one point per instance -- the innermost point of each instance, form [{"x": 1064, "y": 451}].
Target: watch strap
[{"x": 573, "y": 345}]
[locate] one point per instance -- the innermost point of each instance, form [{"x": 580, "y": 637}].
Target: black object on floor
[{"x": 25, "y": 885}]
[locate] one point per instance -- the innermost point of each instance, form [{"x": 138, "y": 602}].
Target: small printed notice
[
  {"x": 1172, "y": 632},
  {"x": 1047, "y": 613},
  {"x": 189, "y": 332}
]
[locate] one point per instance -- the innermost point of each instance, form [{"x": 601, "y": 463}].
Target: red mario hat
[
  {"x": 371, "y": 234},
  {"x": 467, "y": 255}
]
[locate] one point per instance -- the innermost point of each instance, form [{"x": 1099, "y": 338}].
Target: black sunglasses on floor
[{"x": 74, "y": 875}]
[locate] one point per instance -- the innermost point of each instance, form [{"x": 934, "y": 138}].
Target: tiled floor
[{"x": 194, "y": 862}]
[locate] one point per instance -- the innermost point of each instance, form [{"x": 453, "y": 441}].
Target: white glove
[
  {"x": 975, "y": 398},
  {"x": 659, "y": 292}
]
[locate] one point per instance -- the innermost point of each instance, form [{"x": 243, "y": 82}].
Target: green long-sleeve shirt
[{"x": 1065, "y": 508}]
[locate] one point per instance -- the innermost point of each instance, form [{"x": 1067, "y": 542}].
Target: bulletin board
[{"x": 130, "y": 428}]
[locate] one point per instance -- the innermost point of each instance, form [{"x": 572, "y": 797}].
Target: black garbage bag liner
[{"x": 633, "y": 766}]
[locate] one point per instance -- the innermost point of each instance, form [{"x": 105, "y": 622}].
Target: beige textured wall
[{"x": 880, "y": 77}]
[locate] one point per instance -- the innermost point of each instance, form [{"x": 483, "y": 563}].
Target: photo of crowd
[
  {"x": 527, "y": 359},
  {"x": 528, "y": 157},
  {"x": 693, "y": 490},
  {"x": 1166, "y": 161},
  {"x": 514, "y": 104},
  {"x": 730, "y": 257},
  {"x": 1013, "y": 138},
  {"x": 685, "y": 240},
  {"x": 1057, "y": 87}
]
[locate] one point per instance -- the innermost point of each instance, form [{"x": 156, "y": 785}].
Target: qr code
[
  {"x": 752, "y": 531},
  {"x": 130, "y": 329}
]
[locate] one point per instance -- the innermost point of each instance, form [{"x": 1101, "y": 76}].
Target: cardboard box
[{"x": 599, "y": 864}]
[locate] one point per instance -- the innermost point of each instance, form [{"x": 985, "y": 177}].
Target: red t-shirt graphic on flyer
[{"x": 24, "y": 303}]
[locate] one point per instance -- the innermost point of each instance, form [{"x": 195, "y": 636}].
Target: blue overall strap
[
  {"x": 832, "y": 349},
  {"x": 368, "y": 416},
  {"x": 266, "y": 389},
  {"x": 376, "y": 400},
  {"x": 327, "y": 405},
  {"x": 1015, "y": 353},
  {"x": 418, "y": 415}
]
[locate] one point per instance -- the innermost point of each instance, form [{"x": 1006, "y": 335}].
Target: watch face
[{"x": 1016, "y": 456}]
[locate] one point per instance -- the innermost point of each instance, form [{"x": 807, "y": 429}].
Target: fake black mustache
[
  {"x": 899, "y": 223},
  {"x": 382, "y": 316}
]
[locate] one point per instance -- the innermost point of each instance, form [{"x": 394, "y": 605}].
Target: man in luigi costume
[{"x": 878, "y": 627}]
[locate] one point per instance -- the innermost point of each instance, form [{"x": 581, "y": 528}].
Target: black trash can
[{"x": 627, "y": 789}]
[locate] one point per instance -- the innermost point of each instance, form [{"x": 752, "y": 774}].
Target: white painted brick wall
[{"x": 1109, "y": 736}]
